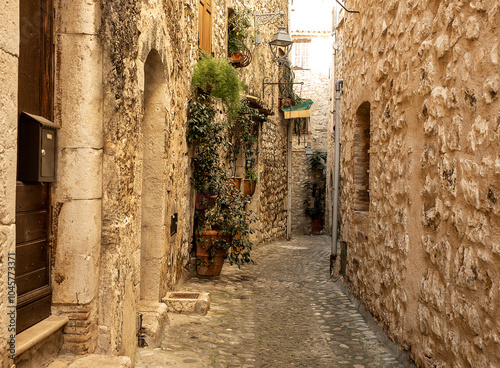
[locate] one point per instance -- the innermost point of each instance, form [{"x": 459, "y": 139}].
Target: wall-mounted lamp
[
  {"x": 281, "y": 41},
  {"x": 309, "y": 150}
]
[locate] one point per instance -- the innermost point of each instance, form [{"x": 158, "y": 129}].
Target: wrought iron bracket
[
  {"x": 263, "y": 19},
  {"x": 266, "y": 83},
  {"x": 347, "y": 10}
]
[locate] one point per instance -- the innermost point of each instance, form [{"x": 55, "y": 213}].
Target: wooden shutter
[{"x": 205, "y": 26}]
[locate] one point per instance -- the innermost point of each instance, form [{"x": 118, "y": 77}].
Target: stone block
[
  {"x": 78, "y": 17},
  {"x": 154, "y": 321},
  {"x": 79, "y": 174},
  {"x": 472, "y": 30},
  {"x": 8, "y": 138},
  {"x": 75, "y": 272},
  {"x": 102, "y": 361},
  {"x": 9, "y": 32},
  {"x": 187, "y": 302},
  {"x": 79, "y": 91}
]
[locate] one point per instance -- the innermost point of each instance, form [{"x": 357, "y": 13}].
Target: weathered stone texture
[
  {"x": 9, "y": 51},
  {"x": 316, "y": 87},
  {"x": 424, "y": 259}
]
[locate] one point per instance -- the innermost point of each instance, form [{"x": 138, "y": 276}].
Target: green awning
[{"x": 304, "y": 105}]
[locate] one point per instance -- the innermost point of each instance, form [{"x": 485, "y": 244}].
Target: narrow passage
[{"x": 280, "y": 312}]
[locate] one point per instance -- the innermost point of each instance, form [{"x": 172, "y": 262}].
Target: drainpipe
[{"x": 333, "y": 256}]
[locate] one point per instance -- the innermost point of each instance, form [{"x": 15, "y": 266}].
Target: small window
[
  {"x": 362, "y": 158},
  {"x": 205, "y": 26},
  {"x": 301, "y": 53}
]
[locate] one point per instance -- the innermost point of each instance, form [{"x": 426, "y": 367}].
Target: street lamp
[{"x": 281, "y": 41}]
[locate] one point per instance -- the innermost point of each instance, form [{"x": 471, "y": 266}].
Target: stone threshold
[{"x": 38, "y": 333}]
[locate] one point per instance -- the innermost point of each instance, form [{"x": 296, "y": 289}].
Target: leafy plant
[
  {"x": 229, "y": 216},
  {"x": 315, "y": 201},
  {"x": 238, "y": 30},
  {"x": 218, "y": 78},
  {"x": 224, "y": 206},
  {"x": 207, "y": 136},
  {"x": 243, "y": 133},
  {"x": 251, "y": 175}
]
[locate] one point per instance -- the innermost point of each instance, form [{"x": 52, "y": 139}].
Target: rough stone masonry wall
[
  {"x": 425, "y": 259},
  {"x": 269, "y": 201},
  {"x": 130, "y": 31},
  {"x": 9, "y": 53},
  {"x": 316, "y": 87}
]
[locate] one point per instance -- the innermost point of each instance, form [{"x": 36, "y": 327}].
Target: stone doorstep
[
  {"x": 38, "y": 333},
  {"x": 100, "y": 361},
  {"x": 187, "y": 302}
]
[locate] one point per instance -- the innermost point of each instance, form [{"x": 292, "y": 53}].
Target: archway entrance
[{"x": 153, "y": 229}]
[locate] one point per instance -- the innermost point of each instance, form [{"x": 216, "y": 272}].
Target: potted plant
[
  {"x": 315, "y": 200},
  {"x": 217, "y": 78},
  {"x": 225, "y": 233},
  {"x": 243, "y": 133},
  {"x": 250, "y": 182},
  {"x": 238, "y": 32},
  {"x": 221, "y": 223}
]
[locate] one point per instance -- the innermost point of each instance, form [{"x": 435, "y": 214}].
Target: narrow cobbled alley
[{"x": 283, "y": 311}]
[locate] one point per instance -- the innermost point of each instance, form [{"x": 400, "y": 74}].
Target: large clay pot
[
  {"x": 209, "y": 264},
  {"x": 203, "y": 201}
]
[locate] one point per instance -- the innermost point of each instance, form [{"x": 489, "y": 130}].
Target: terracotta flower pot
[
  {"x": 209, "y": 262},
  {"x": 248, "y": 189},
  {"x": 236, "y": 181},
  {"x": 203, "y": 201},
  {"x": 237, "y": 58}
]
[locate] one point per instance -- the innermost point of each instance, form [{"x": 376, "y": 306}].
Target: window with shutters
[
  {"x": 362, "y": 159},
  {"x": 205, "y": 26},
  {"x": 301, "y": 53}
]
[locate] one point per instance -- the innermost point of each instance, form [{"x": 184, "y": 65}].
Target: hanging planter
[
  {"x": 239, "y": 30},
  {"x": 300, "y": 110}
]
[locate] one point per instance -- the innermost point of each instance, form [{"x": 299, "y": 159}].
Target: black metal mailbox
[{"x": 36, "y": 149}]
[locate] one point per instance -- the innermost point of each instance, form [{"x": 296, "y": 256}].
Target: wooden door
[
  {"x": 32, "y": 254},
  {"x": 35, "y": 96}
]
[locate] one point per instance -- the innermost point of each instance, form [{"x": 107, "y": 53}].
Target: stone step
[{"x": 101, "y": 361}]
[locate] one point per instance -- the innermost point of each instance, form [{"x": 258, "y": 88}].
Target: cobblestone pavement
[{"x": 280, "y": 312}]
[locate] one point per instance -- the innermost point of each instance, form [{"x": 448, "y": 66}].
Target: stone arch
[
  {"x": 153, "y": 243},
  {"x": 362, "y": 158}
]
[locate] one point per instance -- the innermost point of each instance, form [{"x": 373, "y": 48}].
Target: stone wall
[
  {"x": 424, "y": 258},
  {"x": 269, "y": 200},
  {"x": 316, "y": 87},
  {"x": 9, "y": 53},
  {"x": 122, "y": 81}
]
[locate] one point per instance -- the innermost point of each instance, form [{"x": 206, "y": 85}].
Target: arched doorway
[{"x": 153, "y": 212}]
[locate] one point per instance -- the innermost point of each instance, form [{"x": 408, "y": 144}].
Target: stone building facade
[
  {"x": 420, "y": 170},
  {"x": 311, "y": 58},
  {"x": 121, "y": 74}
]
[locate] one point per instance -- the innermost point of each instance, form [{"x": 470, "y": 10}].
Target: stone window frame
[
  {"x": 205, "y": 26},
  {"x": 362, "y": 158}
]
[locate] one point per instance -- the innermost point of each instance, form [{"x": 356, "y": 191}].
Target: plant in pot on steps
[
  {"x": 315, "y": 201},
  {"x": 239, "y": 31},
  {"x": 222, "y": 227}
]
